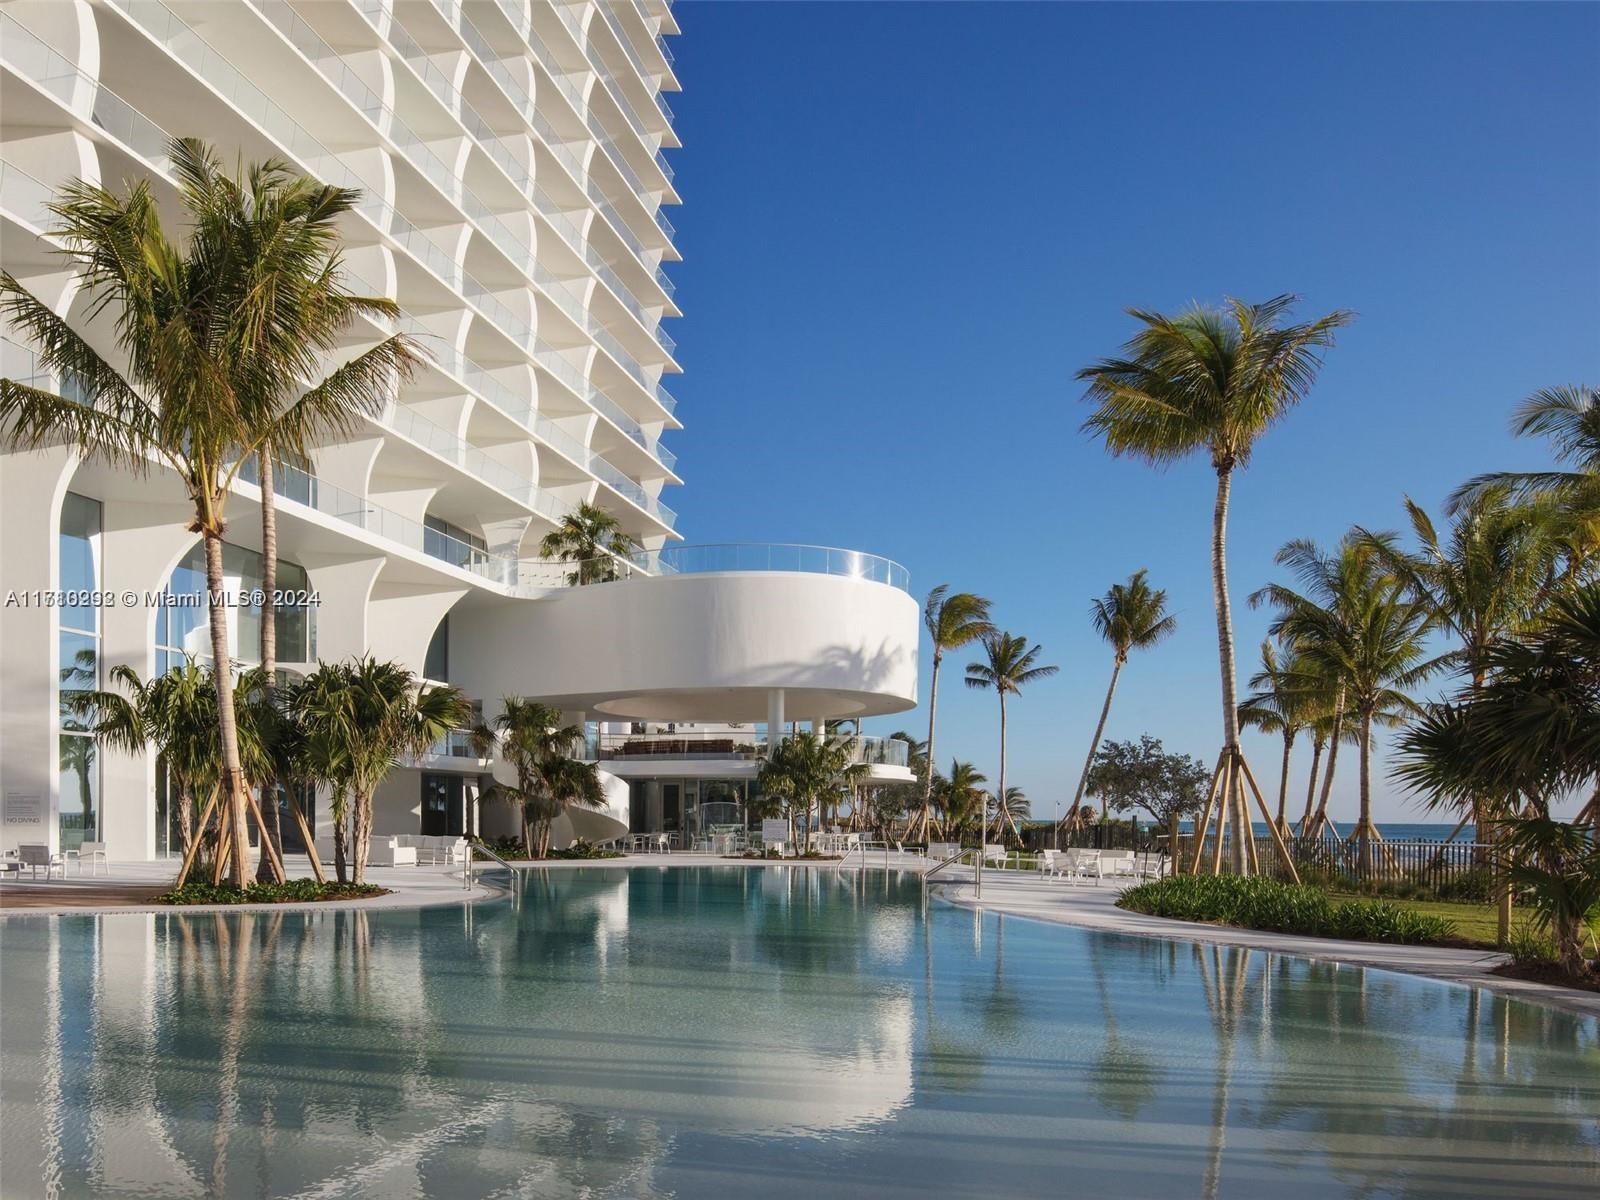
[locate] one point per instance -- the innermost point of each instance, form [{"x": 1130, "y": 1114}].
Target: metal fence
[{"x": 1430, "y": 866}]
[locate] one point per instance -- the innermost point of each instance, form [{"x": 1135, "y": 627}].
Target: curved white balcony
[{"x": 829, "y": 631}]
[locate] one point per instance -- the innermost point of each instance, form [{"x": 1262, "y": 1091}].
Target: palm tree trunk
[
  {"x": 1321, "y": 819},
  {"x": 1094, "y": 747},
  {"x": 361, "y": 833},
  {"x": 1283, "y": 786},
  {"x": 927, "y": 783},
  {"x": 341, "y": 855},
  {"x": 1364, "y": 825},
  {"x": 269, "y": 654},
  {"x": 232, "y": 776},
  {"x": 1238, "y": 862},
  {"x": 1000, "y": 791},
  {"x": 1311, "y": 785}
]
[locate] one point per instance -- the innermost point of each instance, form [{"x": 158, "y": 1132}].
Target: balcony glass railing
[
  {"x": 811, "y": 560},
  {"x": 625, "y": 40},
  {"x": 222, "y": 75},
  {"x": 747, "y": 744},
  {"x": 729, "y": 558}
]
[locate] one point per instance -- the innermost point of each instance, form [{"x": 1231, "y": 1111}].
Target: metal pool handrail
[{"x": 472, "y": 848}]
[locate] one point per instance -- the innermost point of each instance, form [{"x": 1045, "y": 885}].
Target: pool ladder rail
[
  {"x": 473, "y": 849},
  {"x": 977, "y": 868}
]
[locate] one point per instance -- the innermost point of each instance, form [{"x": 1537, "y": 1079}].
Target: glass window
[
  {"x": 80, "y": 790},
  {"x": 80, "y": 559},
  {"x": 436, "y": 664},
  {"x": 182, "y": 624}
]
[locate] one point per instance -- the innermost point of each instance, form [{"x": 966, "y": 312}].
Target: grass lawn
[{"x": 1474, "y": 922}]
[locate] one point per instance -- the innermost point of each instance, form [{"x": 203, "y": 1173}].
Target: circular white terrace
[{"x": 716, "y": 633}]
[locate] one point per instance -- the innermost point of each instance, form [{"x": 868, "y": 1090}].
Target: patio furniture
[
  {"x": 1079, "y": 864},
  {"x": 1046, "y": 865},
  {"x": 93, "y": 853},
  {"x": 1151, "y": 865},
  {"x": 1117, "y": 864},
  {"x": 388, "y": 852},
  {"x": 37, "y": 855},
  {"x": 998, "y": 855},
  {"x": 939, "y": 851}
]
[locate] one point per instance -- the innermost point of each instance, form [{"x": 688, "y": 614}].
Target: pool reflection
[{"x": 722, "y": 1030}]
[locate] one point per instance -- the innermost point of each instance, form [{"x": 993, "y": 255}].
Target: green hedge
[
  {"x": 1252, "y": 902},
  {"x": 295, "y": 891}
]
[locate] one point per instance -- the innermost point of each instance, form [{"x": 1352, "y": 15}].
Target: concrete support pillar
[
  {"x": 30, "y": 786},
  {"x": 774, "y": 718}
]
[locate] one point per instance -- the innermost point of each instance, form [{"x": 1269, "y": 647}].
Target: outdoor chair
[
  {"x": 93, "y": 853},
  {"x": 1115, "y": 864},
  {"x": 36, "y": 855},
  {"x": 1046, "y": 865},
  {"x": 996, "y": 854},
  {"x": 1081, "y": 864}
]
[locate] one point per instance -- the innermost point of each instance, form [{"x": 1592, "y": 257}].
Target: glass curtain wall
[{"x": 81, "y": 570}]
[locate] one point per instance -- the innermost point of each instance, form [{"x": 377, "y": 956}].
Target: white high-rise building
[{"x": 510, "y": 158}]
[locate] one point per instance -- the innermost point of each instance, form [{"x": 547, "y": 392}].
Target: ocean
[{"x": 1392, "y": 831}]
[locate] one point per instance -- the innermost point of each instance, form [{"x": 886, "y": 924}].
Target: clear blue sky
[{"x": 906, "y": 226}]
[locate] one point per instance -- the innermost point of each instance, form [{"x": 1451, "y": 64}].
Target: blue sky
[{"x": 907, "y": 225}]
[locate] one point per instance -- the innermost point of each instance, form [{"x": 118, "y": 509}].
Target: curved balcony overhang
[{"x": 709, "y": 645}]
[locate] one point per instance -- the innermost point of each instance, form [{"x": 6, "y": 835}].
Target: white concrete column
[
  {"x": 31, "y": 489},
  {"x": 774, "y": 718}
]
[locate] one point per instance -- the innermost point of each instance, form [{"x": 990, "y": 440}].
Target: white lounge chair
[
  {"x": 93, "y": 853},
  {"x": 1046, "y": 865},
  {"x": 37, "y": 855},
  {"x": 1079, "y": 864},
  {"x": 996, "y": 854}
]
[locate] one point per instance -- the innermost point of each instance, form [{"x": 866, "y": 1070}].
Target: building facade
[{"x": 509, "y": 155}]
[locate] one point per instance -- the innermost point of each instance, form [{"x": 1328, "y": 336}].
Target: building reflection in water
[{"x": 677, "y": 1032}]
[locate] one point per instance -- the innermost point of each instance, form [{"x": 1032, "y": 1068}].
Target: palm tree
[
  {"x": 952, "y": 620},
  {"x": 1009, "y": 665},
  {"x": 801, "y": 771},
  {"x": 1131, "y": 616},
  {"x": 1211, "y": 381},
  {"x": 1362, "y": 625},
  {"x": 593, "y": 539},
  {"x": 1016, "y": 803},
  {"x": 962, "y": 799},
  {"x": 175, "y": 715},
  {"x": 374, "y": 714},
  {"x": 210, "y": 360},
  {"x": 1529, "y": 734},
  {"x": 569, "y": 783},
  {"x": 529, "y": 734},
  {"x": 1485, "y": 583},
  {"x": 1570, "y": 418},
  {"x": 1283, "y": 704}
]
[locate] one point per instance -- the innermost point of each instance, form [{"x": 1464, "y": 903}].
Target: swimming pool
[{"x": 733, "y": 1031}]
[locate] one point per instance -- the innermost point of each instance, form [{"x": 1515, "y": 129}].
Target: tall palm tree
[
  {"x": 1009, "y": 665},
  {"x": 1131, "y": 616},
  {"x": 1210, "y": 381},
  {"x": 953, "y": 620},
  {"x": 1283, "y": 703},
  {"x": 592, "y": 538},
  {"x": 532, "y": 738},
  {"x": 207, "y": 355},
  {"x": 1361, "y": 624},
  {"x": 375, "y": 714}
]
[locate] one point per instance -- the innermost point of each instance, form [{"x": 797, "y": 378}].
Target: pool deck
[
  {"x": 128, "y": 886},
  {"x": 1094, "y": 907}
]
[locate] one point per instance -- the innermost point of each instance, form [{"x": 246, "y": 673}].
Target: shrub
[
  {"x": 1528, "y": 947},
  {"x": 581, "y": 849},
  {"x": 294, "y": 891},
  {"x": 1253, "y": 902}
]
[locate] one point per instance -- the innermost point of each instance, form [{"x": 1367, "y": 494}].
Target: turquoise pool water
[{"x": 732, "y": 1031}]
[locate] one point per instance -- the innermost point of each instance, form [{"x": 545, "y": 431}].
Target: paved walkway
[
  {"x": 1094, "y": 907},
  {"x": 128, "y": 886}
]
